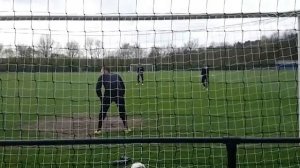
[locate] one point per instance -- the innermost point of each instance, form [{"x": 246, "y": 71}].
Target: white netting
[{"x": 51, "y": 54}]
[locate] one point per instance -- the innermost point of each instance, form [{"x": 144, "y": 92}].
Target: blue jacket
[
  {"x": 113, "y": 85},
  {"x": 205, "y": 71},
  {"x": 140, "y": 70}
]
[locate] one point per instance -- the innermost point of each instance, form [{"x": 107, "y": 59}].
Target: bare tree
[
  {"x": 29, "y": 52},
  {"x": 45, "y": 45},
  {"x": 21, "y": 50},
  {"x": 98, "y": 48},
  {"x": 24, "y": 51},
  {"x": 155, "y": 52},
  {"x": 57, "y": 50},
  {"x": 1, "y": 47},
  {"x": 130, "y": 51},
  {"x": 8, "y": 52},
  {"x": 124, "y": 51},
  {"x": 89, "y": 46},
  {"x": 94, "y": 47},
  {"x": 137, "y": 51},
  {"x": 73, "y": 49},
  {"x": 192, "y": 44},
  {"x": 169, "y": 50}
]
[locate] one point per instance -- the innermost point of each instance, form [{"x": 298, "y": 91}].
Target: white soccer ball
[{"x": 138, "y": 165}]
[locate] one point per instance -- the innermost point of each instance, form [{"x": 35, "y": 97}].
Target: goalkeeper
[
  {"x": 114, "y": 92},
  {"x": 205, "y": 77},
  {"x": 140, "y": 74}
]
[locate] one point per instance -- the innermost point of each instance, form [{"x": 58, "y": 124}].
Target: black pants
[
  {"x": 140, "y": 76},
  {"x": 106, "y": 101},
  {"x": 205, "y": 80}
]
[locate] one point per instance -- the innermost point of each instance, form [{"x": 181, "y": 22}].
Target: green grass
[{"x": 171, "y": 104}]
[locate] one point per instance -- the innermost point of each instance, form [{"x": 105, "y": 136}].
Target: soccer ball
[{"x": 138, "y": 165}]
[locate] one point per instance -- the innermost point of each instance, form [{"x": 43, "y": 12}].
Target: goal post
[{"x": 147, "y": 67}]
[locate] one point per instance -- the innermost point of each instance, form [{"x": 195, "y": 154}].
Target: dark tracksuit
[
  {"x": 205, "y": 76},
  {"x": 140, "y": 72},
  {"x": 114, "y": 92}
]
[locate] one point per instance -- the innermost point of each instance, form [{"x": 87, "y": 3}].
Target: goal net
[{"x": 51, "y": 55}]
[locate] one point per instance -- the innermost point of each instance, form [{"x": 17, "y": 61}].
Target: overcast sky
[{"x": 146, "y": 33}]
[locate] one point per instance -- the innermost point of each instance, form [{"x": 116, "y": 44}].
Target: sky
[{"x": 147, "y": 33}]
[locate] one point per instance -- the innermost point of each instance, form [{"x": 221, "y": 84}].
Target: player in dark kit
[
  {"x": 205, "y": 76},
  {"x": 140, "y": 74},
  {"x": 114, "y": 92}
]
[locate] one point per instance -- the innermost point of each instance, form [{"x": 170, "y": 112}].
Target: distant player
[
  {"x": 205, "y": 76},
  {"x": 114, "y": 92},
  {"x": 140, "y": 74}
]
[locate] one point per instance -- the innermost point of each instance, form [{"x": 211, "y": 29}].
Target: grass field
[{"x": 257, "y": 103}]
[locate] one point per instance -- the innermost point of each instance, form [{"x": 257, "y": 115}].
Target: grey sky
[
  {"x": 114, "y": 33},
  {"x": 146, "y": 6}
]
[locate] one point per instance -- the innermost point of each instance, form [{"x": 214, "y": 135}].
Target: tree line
[{"x": 239, "y": 55}]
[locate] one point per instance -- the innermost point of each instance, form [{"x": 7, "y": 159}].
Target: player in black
[
  {"x": 140, "y": 74},
  {"x": 114, "y": 92},
  {"x": 205, "y": 76}
]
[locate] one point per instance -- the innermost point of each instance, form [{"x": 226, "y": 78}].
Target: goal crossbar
[{"x": 120, "y": 17}]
